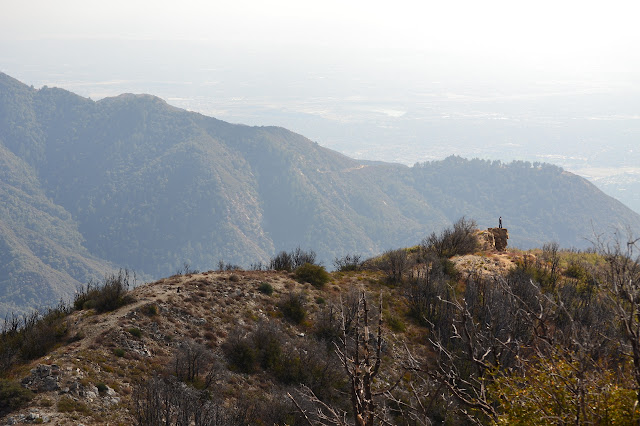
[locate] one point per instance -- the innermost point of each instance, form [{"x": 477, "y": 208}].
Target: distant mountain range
[{"x": 130, "y": 181}]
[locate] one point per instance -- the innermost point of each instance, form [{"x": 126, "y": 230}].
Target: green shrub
[
  {"x": 102, "y": 388},
  {"x": 315, "y": 275},
  {"x": 119, "y": 352},
  {"x": 46, "y": 402},
  {"x": 108, "y": 296},
  {"x": 136, "y": 332},
  {"x": 41, "y": 335},
  {"x": 269, "y": 349},
  {"x": 311, "y": 364},
  {"x": 449, "y": 268},
  {"x": 261, "y": 348},
  {"x": 293, "y": 307},
  {"x": 32, "y": 336},
  {"x": 13, "y": 396},
  {"x": 268, "y": 341},
  {"x": 241, "y": 354},
  {"x": 149, "y": 309},
  {"x": 459, "y": 240},
  {"x": 535, "y": 272},
  {"x": 265, "y": 288}
]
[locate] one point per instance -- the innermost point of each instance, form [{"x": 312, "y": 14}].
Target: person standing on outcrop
[{"x": 500, "y": 222}]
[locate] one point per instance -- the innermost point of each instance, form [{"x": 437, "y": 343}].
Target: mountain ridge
[{"x": 149, "y": 186}]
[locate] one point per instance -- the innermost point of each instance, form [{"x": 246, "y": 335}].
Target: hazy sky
[{"x": 556, "y": 35}]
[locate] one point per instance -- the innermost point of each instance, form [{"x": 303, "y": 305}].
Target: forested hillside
[{"x": 143, "y": 185}]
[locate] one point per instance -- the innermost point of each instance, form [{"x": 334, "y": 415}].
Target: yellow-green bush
[{"x": 315, "y": 275}]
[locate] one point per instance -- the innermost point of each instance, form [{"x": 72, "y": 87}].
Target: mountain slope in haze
[
  {"x": 539, "y": 203},
  {"x": 152, "y": 186},
  {"x": 43, "y": 259},
  {"x": 148, "y": 186}
]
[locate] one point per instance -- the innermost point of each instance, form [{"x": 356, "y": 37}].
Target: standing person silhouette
[{"x": 500, "y": 222}]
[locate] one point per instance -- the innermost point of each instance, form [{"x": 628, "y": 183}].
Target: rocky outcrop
[
  {"x": 500, "y": 237},
  {"x": 43, "y": 378},
  {"x": 493, "y": 239}
]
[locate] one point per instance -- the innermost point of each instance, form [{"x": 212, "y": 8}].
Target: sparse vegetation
[
  {"x": 284, "y": 261},
  {"x": 195, "y": 364},
  {"x": 67, "y": 404},
  {"x": 31, "y": 336},
  {"x": 165, "y": 401},
  {"x": 281, "y": 262},
  {"x": 149, "y": 309},
  {"x": 54, "y": 126},
  {"x": 477, "y": 339},
  {"x": 395, "y": 263},
  {"x": 186, "y": 269},
  {"x": 348, "y": 262}
]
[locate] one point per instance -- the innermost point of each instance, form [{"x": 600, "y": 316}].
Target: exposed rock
[
  {"x": 500, "y": 236},
  {"x": 32, "y": 416},
  {"x": 15, "y": 420},
  {"x": 110, "y": 392},
  {"x": 113, "y": 400},
  {"x": 43, "y": 378},
  {"x": 493, "y": 239},
  {"x": 79, "y": 390},
  {"x": 131, "y": 345}
]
